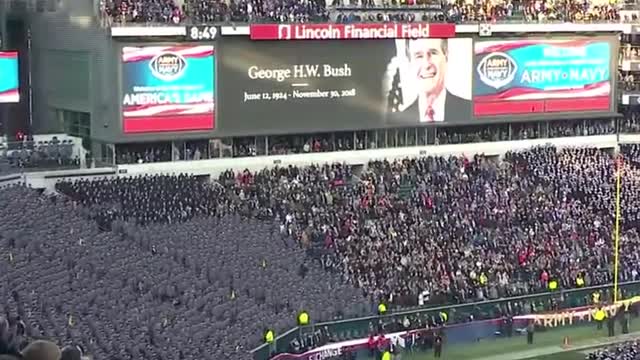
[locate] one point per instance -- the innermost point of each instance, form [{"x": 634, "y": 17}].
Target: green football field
[{"x": 547, "y": 345}]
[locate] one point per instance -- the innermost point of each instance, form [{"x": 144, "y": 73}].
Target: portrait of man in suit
[{"x": 417, "y": 84}]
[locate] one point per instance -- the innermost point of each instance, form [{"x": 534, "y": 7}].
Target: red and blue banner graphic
[
  {"x": 541, "y": 76},
  {"x": 168, "y": 88},
  {"x": 9, "y": 80}
]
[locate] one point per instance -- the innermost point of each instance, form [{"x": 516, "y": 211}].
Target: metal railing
[{"x": 458, "y": 313}]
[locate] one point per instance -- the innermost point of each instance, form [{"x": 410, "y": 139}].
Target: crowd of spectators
[
  {"x": 137, "y": 153},
  {"x": 552, "y": 206},
  {"x": 141, "y": 266},
  {"x": 625, "y": 351},
  {"x": 582, "y": 128},
  {"x": 628, "y": 53},
  {"x": 630, "y": 123},
  {"x": 141, "y": 11},
  {"x": 304, "y": 11},
  {"x": 472, "y": 134},
  {"x": 144, "y": 153},
  {"x": 627, "y": 81},
  {"x": 53, "y": 154}
]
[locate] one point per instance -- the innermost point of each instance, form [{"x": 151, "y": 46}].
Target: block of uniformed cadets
[{"x": 162, "y": 290}]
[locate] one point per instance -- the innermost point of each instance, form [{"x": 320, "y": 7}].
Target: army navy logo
[
  {"x": 168, "y": 66},
  {"x": 497, "y": 69}
]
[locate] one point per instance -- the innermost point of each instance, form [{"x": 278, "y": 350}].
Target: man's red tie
[{"x": 430, "y": 113}]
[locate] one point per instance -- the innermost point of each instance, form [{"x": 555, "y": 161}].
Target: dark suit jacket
[{"x": 456, "y": 110}]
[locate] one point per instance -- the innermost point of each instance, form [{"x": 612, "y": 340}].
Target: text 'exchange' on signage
[
  {"x": 541, "y": 76},
  {"x": 167, "y": 88},
  {"x": 9, "y": 80},
  {"x": 311, "y": 86}
]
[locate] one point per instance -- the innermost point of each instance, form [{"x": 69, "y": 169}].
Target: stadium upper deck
[
  {"x": 288, "y": 11},
  {"x": 99, "y": 83}
]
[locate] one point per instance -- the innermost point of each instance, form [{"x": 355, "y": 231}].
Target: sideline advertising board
[
  {"x": 9, "y": 79},
  {"x": 168, "y": 88},
  {"x": 540, "y": 76}
]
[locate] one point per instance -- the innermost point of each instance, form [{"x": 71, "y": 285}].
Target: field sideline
[{"x": 547, "y": 345}]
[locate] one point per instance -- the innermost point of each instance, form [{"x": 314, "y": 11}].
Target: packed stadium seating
[
  {"x": 287, "y": 11},
  {"x": 175, "y": 260},
  {"x": 140, "y": 293},
  {"x": 377, "y": 204},
  {"x": 132, "y": 11}
]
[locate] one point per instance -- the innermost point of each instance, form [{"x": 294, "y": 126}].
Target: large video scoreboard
[
  {"x": 168, "y": 88},
  {"x": 306, "y": 78}
]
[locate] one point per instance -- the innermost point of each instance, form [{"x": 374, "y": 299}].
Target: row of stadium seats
[
  {"x": 303, "y": 11},
  {"x": 191, "y": 262}
]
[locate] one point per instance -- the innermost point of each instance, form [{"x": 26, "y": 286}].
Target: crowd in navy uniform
[
  {"x": 144, "y": 291},
  {"x": 145, "y": 199},
  {"x": 140, "y": 266},
  {"x": 625, "y": 351}
]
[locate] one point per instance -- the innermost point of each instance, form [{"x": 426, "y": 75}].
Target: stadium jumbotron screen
[
  {"x": 167, "y": 88},
  {"x": 9, "y": 88}
]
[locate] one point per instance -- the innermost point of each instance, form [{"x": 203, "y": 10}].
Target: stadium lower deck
[
  {"x": 139, "y": 266},
  {"x": 547, "y": 346}
]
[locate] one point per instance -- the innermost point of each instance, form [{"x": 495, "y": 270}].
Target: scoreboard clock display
[{"x": 202, "y": 33}]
